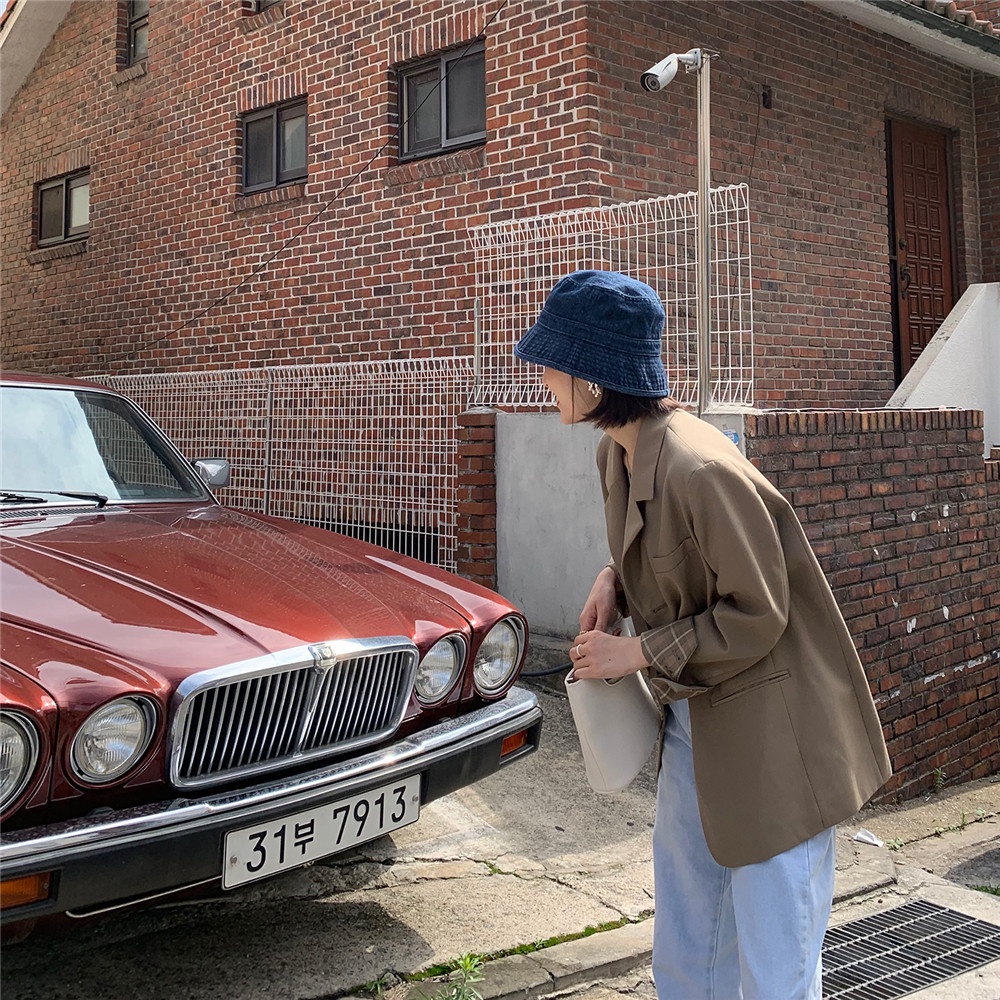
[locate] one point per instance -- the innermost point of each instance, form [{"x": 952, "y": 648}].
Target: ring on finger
[{"x": 576, "y": 652}]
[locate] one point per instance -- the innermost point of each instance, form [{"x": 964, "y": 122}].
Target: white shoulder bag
[{"x": 618, "y": 722}]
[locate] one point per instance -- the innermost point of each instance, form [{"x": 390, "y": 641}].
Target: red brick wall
[
  {"x": 988, "y": 137},
  {"x": 988, "y": 10},
  {"x": 905, "y": 518},
  {"x": 386, "y": 268},
  {"x": 815, "y": 161},
  {"x": 476, "y": 548}
]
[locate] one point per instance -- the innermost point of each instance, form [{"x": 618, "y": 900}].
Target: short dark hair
[{"x": 616, "y": 409}]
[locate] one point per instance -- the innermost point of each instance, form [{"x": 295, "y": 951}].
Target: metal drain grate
[{"x": 891, "y": 954}]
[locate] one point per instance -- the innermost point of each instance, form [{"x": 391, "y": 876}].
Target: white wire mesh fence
[
  {"x": 370, "y": 448},
  {"x": 518, "y": 262},
  {"x": 365, "y": 448}
]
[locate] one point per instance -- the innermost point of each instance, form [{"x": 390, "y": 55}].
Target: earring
[{"x": 595, "y": 389}]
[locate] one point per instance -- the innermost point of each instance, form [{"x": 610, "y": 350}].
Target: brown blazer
[{"x": 735, "y": 613}]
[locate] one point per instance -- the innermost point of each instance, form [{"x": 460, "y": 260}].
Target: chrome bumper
[{"x": 175, "y": 844}]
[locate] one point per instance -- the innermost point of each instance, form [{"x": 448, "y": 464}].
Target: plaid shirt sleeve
[{"x": 668, "y": 648}]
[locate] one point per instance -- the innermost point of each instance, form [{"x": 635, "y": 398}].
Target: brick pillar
[
  {"x": 476, "y": 549},
  {"x": 993, "y": 465}
]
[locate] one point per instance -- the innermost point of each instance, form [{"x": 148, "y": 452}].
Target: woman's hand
[
  {"x": 601, "y": 608},
  {"x": 597, "y": 654}
]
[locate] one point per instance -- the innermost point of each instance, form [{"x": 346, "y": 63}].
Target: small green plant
[
  {"x": 939, "y": 778},
  {"x": 376, "y": 989},
  {"x": 473, "y": 964},
  {"x": 896, "y": 844},
  {"x": 987, "y": 888},
  {"x": 468, "y": 971}
]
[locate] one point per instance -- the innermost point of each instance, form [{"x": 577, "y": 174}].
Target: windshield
[{"x": 56, "y": 440}]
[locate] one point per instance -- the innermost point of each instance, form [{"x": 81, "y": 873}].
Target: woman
[{"x": 770, "y": 735}]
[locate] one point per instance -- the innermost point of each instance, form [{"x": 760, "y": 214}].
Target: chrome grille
[{"x": 262, "y": 715}]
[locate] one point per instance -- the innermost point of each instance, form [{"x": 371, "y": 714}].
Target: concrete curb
[
  {"x": 613, "y": 953},
  {"x": 560, "y": 967}
]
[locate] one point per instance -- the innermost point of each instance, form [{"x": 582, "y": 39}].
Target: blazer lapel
[
  {"x": 624, "y": 506},
  {"x": 644, "y": 464},
  {"x": 616, "y": 504}
]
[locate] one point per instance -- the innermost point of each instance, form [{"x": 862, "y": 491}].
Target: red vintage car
[{"x": 191, "y": 695}]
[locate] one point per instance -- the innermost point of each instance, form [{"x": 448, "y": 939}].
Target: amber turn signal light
[
  {"x": 24, "y": 890},
  {"x": 515, "y": 742}
]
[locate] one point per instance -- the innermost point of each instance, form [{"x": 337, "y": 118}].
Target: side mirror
[{"x": 214, "y": 471}]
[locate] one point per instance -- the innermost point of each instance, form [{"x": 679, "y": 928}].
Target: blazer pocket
[
  {"x": 728, "y": 690},
  {"x": 667, "y": 563}
]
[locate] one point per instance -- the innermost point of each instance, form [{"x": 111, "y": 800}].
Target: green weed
[{"x": 468, "y": 971}]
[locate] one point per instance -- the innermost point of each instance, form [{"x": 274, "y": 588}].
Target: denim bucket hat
[{"x": 604, "y": 327}]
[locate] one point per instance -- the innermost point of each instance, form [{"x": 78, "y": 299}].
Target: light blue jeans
[{"x": 749, "y": 933}]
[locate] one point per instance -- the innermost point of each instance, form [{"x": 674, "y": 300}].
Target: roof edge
[
  {"x": 26, "y": 28},
  {"x": 952, "y": 40}
]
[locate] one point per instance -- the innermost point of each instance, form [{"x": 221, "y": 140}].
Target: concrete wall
[
  {"x": 903, "y": 514},
  {"x": 960, "y": 367},
  {"x": 551, "y": 540}
]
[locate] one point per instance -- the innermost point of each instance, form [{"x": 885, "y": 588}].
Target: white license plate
[{"x": 280, "y": 844}]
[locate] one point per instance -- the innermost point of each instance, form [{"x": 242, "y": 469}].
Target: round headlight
[
  {"x": 112, "y": 739},
  {"x": 18, "y": 756},
  {"x": 439, "y": 668},
  {"x": 498, "y": 656}
]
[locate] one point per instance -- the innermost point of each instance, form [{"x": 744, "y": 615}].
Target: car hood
[{"x": 174, "y": 590}]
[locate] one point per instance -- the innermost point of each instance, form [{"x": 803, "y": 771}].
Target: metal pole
[
  {"x": 704, "y": 240},
  {"x": 268, "y": 441},
  {"x": 477, "y": 355}
]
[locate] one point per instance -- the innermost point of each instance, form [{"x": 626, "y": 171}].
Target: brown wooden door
[{"x": 921, "y": 229}]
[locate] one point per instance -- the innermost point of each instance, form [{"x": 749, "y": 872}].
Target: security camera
[{"x": 657, "y": 77}]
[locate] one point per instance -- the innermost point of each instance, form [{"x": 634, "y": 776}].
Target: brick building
[
  {"x": 225, "y": 184},
  {"x": 806, "y": 107}
]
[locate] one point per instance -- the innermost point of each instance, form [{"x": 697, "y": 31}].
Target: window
[
  {"x": 138, "y": 30},
  {"x": 442, "y": 103},
  {"x": 274, "y": 146},
  {"x": 63, "y": 209},
  {"x": 262, "y": 5}
]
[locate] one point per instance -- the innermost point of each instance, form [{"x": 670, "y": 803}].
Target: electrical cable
[
  {"x": 128, "y": 355},
  {"x": 547, "y": 672}
]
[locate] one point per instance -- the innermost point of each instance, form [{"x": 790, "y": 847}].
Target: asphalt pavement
[{"x": 530, "y": 868}]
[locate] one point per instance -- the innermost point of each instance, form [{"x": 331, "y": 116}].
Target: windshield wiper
[
  {"x": 97, "y": 498},
  {"x": 19, "y": 498}
]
